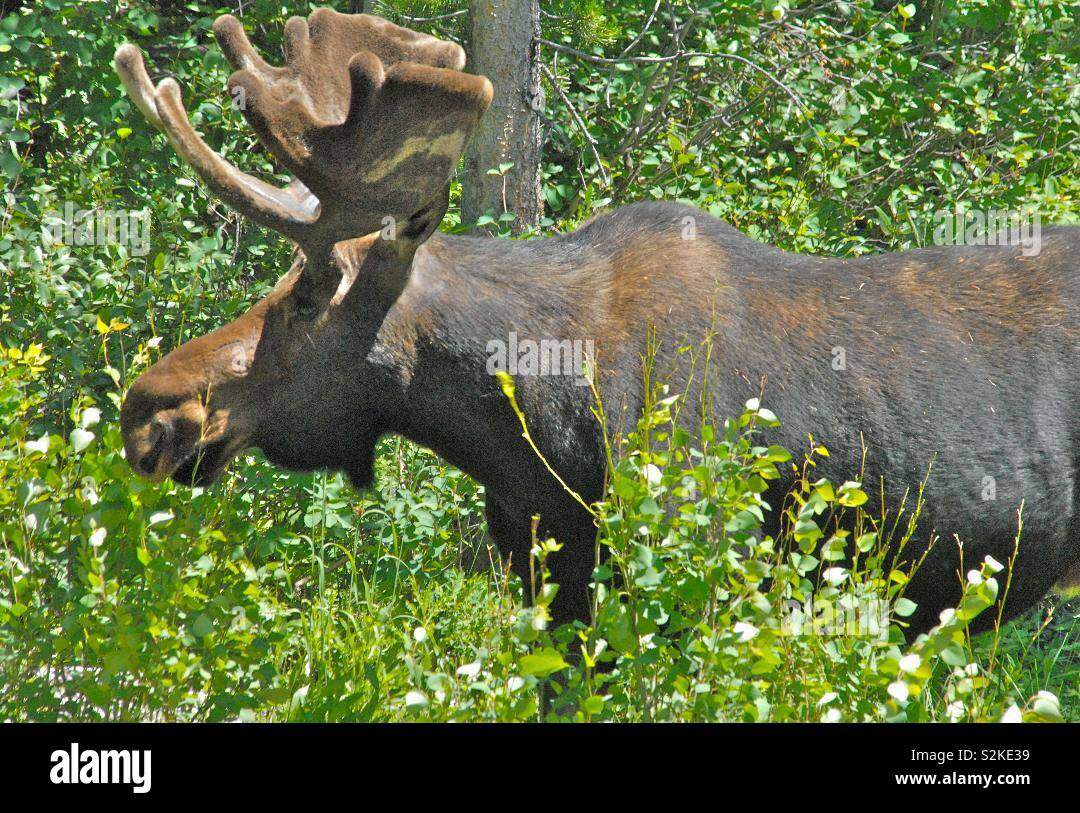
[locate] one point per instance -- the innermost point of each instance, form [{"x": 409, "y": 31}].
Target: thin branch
[
  {"x": 577, "y": 120},
  {"x": 641, "y": 127},
  {"x": 433, "y": 19},
  {"x": 658, "y": 60},
  {"x": 644, "y": 30}
]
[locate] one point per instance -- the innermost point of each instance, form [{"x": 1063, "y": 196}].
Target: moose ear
[
  {"x": 386, "y": 257},
  {"x": 421, "y": 224}
]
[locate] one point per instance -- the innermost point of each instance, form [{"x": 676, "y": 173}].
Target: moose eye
[{"x": 305, "y": 309}]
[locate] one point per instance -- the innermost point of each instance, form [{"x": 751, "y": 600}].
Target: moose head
[{"x": 370, "y": 119}]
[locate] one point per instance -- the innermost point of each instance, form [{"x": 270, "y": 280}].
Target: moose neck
[{"x": 434, "y": 341}]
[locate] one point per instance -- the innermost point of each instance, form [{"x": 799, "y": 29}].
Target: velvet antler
[{"x": 369, "y": 117}]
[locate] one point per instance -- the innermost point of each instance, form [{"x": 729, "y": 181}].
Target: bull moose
[{"x": 966, "y": 355}]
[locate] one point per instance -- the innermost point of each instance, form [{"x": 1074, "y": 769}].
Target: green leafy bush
[{"x": 124, "y": 600}]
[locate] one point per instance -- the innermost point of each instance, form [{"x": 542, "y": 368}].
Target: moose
[{"x": 963, "y": 357}]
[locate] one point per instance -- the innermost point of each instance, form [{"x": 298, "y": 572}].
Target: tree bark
[{"x": 504, "y": 49}]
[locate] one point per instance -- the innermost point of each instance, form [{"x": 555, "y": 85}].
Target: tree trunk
[{"x": 503, "y": 48}]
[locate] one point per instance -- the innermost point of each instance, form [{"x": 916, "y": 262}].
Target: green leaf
[
  {"x": 851, "y": 495},
  {"x": 777, "y": 454},
  {"x": 79, "y": 439},
  {"x": 543, "y": 663},
  {"x": 619, "y": 630},
  {"x": 954, "y": 655},
  {"x": 593, "y": 704},
  {"x": 203, "y": 626},
  {"x": 865, "y": 542},
  {"x": 1047, "y": 707},
  {"x": 41, "y": 445},
  {"x": 904, "y": 607}
]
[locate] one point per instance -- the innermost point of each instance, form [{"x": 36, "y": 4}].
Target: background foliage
[{"x": 833, "y": 127}]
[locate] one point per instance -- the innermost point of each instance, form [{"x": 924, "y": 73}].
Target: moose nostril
[
  {"x": 161, "y": 433},
  {"x": 161, "y": 430}
]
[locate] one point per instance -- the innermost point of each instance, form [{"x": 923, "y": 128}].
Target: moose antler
[{"x": 369, "y": 117}]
